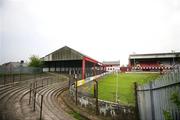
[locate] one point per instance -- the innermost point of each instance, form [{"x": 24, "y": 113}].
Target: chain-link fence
[
  {"x": 86, "y": 96},
  {"x": 11, "y": 75},
  {"x": 87, "y": 89}
]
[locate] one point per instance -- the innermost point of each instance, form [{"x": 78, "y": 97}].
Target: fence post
[
  {"x": 96, "y": 92},
  {"x": 152, "y": 100},
  {"x": 34, "y": 106},
  {"x": 30, "y": 93},
  {"x": 136, "y": 101},
  {"x": 41, "y": 107},
  {"x": 13, "y": 78},
  {"x": 76, "y": 91}
]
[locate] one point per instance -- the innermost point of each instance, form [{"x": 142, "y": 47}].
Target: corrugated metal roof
[
  {"x": 154, "y": 55},
  {"x": 64, "y": 53}
]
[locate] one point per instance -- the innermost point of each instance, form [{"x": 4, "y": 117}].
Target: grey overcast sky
[{"x": 102, "y": 29}]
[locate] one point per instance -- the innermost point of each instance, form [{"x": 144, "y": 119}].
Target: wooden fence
[{"x": 155, "y": 97}]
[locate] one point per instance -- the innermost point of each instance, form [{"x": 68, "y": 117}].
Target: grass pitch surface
[{"x": 107, "y": 86}]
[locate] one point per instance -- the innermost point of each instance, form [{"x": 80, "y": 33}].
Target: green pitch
[{"x": 107, "y": 86}]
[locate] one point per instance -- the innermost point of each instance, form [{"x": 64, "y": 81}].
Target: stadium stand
[
  {"x": 154, "y": 61},
  {"x": 69, "y": 61}
]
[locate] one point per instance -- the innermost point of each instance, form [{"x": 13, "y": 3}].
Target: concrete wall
[{"x": 114, "y": 110}]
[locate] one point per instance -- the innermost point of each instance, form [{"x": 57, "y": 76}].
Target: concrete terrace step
[{"x": 49, "y": 101}]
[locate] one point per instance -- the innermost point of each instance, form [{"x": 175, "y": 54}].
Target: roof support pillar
[
  {"x": 49, "y": 66},
  {"x": 55, "y": 66},
  {"x": 94, "y": 71},
  {"x": 83, "y": 68}
]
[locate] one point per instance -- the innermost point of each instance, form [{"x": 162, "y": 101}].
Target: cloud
[{"x": 102, "y": 29}]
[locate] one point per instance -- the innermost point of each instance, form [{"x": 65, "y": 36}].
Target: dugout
[{"x": 69, "y": 61}]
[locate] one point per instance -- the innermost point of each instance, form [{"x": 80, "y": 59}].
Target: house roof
[{"x": 111, "y": 62}]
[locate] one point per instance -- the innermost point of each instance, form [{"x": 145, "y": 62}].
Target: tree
[{"x": 35, "y": 61}]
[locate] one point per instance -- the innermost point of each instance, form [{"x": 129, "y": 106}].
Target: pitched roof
[
  {"x": 64, "y": 53},
  {"x": 111, "y": 62},
  {"x": 68, "y": 48}
]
